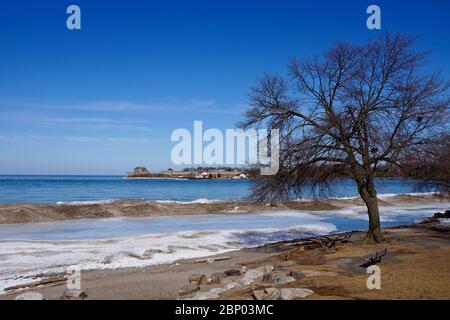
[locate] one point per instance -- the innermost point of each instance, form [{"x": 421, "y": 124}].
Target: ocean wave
[
  {"x": 382, "y": 196},
  {"x": 197, "y": 201},
  {"x": 80, "y": 203}
]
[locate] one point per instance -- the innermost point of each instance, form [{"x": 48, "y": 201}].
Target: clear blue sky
[{"x": 106, "y": 98}]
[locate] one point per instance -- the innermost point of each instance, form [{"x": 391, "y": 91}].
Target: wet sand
[
  {"x": 417, "y": 266},
  {"x": 33, "y": 212}
]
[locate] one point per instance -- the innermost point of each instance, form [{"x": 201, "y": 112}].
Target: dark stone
[
  {"x": 232, "y": 272},
  {"x": 444, "y": 215}
]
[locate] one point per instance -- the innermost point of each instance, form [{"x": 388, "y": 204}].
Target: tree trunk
[
  {"x": 374, "y": 234},
  {"x": 369, "y": 195}
]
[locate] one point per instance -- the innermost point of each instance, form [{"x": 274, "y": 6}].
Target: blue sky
[{"x": 106, "y": 98}]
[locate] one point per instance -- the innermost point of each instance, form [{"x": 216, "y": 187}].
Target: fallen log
[
  {"x": 35, "y": 284},
  {"x": 211, "y": 260},
  {"x": 374, "y": 260},
  {"x": 322, "y": 241},
  {"x": 328, "y": 242}
]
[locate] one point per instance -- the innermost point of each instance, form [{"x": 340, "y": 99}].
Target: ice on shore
[
  {"x": 32, "y": 250},
  {"x": 21, "y": 260}
]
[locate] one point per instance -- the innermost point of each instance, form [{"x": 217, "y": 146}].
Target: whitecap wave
[
  {"x": 197, "y": 201},
  {"x": 80, "y": 203},
  {"x": 382, "y": 196},
  {"x": 385, "y": 196}
]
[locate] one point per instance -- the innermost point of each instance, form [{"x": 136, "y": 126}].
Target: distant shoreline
[{"x": 154, "y": 178}]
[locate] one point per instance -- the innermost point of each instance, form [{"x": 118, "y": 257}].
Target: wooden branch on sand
[
  {"x": 323, "y": 241},
  {"x": 211, "y": 260},
  {"x": 47, "y": 281},
  {"x": 374, "y": 260},
  {"x": 328, "y": 242}
]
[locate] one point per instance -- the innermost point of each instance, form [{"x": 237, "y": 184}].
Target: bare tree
[
  {"x": 349, "y": 113},
  {"x": 431, "y": 166}
]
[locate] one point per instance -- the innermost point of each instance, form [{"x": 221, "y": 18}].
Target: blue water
[{"x": 52, "y": 189}]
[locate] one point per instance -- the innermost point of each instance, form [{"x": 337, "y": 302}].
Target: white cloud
[
  {"x": 89, "y": 139},
  {"x": 9, "y": 138},
  {"x": 99, "y": 123},
  {"x": 166, "y": 104},
  {"x": 40, "y": 137},
  {"x": 83, "y": 139}
]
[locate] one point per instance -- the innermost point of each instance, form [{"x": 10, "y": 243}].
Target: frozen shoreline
[
  {"x": 41, "y": 249},
  {"x": 338, "y": 268},
  {"x": 36, "y": 212}
]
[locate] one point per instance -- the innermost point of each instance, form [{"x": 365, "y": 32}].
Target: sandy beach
[{"x": 416, "y": 266}]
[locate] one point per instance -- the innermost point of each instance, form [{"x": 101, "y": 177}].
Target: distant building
[
  {"x": 240, "y": 176},
  {"x": 202, "y": 175},
  {"x": 198, "y": 173},
  {"x": 139, "y": 172}
]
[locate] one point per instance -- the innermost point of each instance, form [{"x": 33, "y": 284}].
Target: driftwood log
[
  {"x": 213, "y": 259},
  {"x": 329, "y": 242},
  {"x": 375, "y": 259},
  {"x": 325, "y": 242},
  {"x": 43, "y": 282}
]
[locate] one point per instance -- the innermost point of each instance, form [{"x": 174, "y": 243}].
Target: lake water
[{"x": 52, "y": 189}]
